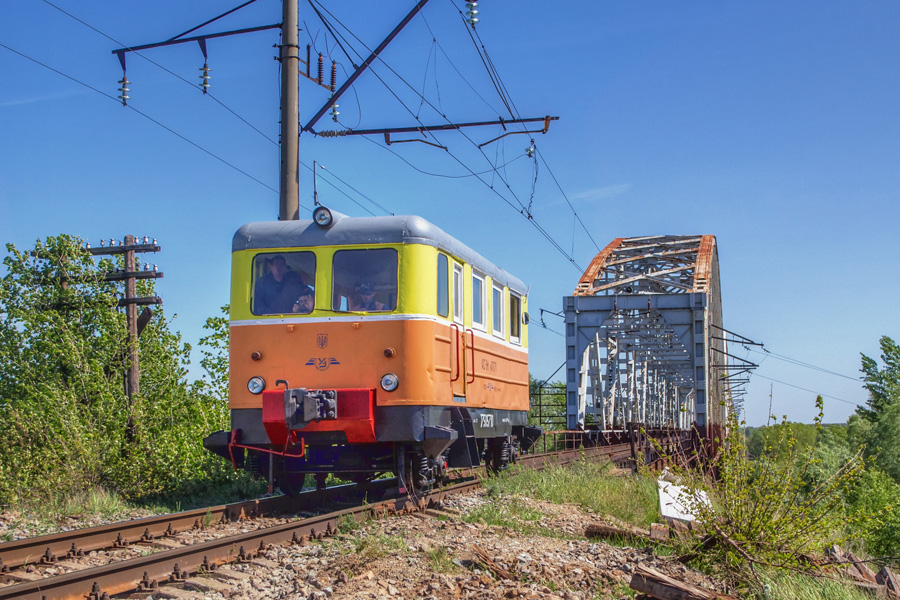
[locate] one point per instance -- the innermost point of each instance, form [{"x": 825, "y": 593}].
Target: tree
[
  {"x": 883, "y": 383},
  {"x": 877, "y": 426}
]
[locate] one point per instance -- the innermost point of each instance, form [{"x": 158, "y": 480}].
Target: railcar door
[{"x": 459, "y": 356}]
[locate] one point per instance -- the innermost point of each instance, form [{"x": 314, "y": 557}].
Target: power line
[
  {"x": 143, "y": 114},
  {"x": 524, "y": 211},
  {"x": 172, "y": 73},
  {"x": 807, "y": 390},
  {"x": 574, "y": 212},
  {"x": 800, "y": 363}
]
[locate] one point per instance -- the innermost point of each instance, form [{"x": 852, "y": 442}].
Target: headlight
[
  {"x": 323, "y": 217},
  {"x": 389, "y": 382},
  {"x": 256, "y": 385}
]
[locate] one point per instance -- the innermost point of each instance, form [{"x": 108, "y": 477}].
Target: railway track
[{"x": 161, "y": 558}]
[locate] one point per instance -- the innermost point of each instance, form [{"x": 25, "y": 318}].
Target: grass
[
  {"x": 440, "y": 560},
  {"x": 587, "y": 484},
  {"x": 784, "y": 585},
  {"x": 378, "y": 545},
  {"x": 95, "y": 501},
  {"x": 510, "y": 514}
]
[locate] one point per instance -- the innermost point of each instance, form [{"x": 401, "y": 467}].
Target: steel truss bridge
[{"x": 645, "y": 343}]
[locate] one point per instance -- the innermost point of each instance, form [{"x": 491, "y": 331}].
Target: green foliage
[
  {"x": 877, "y": 427},
  {"x": 764, "y": 512},
  {"x": 874, "y": 501},
  {"x": 548, "y": 404},
  {"x": 765, "y": 440},
  {"x": 68, "y": 424}
]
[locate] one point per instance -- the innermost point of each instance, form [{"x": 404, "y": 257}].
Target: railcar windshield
[
  {"x": 283, "y": 283},
  {"x": 365, "y": 280}
]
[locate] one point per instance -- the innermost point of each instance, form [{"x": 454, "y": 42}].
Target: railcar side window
[
  {"x": 515, "y": 318},
  {"x": 364, "y": 280},
  {"x": 478, "y": 301},
  {"x": 457, "y": 293},
  {"x": 443, "y": 286},
  {"x": 283, "y": 283},
  {"x": 497, "y": 310}
]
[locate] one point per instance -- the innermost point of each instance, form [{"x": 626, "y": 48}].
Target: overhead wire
[
  {"x": 355, "y": 190},
  {"x": 213, "y": 97},
  {"x": 407, "y": 84},
  {"x": 800, "y": 363},
  {"x": 806, "y": 390},
  {"x": 452, "y": 64},
  {"x": 222, "y": 104},
  {"x": 143, "y": 114},
  {"x": 522, "y": 210}
]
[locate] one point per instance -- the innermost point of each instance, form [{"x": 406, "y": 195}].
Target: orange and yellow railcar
[{"x": 362, "y": 346}]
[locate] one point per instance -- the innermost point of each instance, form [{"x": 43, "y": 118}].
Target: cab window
[
  {"x": 283, "y": 283},
  {"x": 364, "y": 280}
]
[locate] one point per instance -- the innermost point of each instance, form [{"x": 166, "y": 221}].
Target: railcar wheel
[
  {"x": 499, "y": 454},
  {"x": 290, "y": 484}
]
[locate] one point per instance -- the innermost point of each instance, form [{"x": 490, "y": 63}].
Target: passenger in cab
[
  {"x": 367, "y": 299},
  {"x": 277, "y": 290},
  {"x": 305, "y": 302}
]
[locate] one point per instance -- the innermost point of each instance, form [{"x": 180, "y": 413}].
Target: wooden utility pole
[
  {"x": 132, "y": 384},
  {"x": 131, "y": 301}
]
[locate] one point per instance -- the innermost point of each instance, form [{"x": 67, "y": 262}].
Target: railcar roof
[{"x": 408, "y": 229}]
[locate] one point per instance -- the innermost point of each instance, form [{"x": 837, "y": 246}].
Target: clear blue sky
[{"x": 772, "y": 125}]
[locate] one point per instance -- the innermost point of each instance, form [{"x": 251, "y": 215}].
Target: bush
[{"x": 68, "y": 424}]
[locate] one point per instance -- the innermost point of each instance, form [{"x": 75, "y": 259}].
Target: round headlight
[
  {"x": 389, "y": 382},
  {"x": 323, "y": 217},
  {"x": 256, "y": 385}
]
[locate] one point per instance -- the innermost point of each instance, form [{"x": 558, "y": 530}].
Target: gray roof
[{"x": 366, "y": 230}]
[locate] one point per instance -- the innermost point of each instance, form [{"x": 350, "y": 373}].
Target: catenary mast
[{"x": 289, "y": 189}]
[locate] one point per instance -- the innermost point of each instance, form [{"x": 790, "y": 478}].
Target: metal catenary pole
[{"x": 290, "y": 112}]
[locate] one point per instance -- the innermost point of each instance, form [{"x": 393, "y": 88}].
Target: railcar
[{"x": 364, "y": 346}]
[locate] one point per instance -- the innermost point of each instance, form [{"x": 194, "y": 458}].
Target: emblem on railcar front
[
  {"x": 322, "y": 363},
  {"x": 322, "y": 340}
]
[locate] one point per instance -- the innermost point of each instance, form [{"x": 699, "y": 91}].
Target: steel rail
[
  {"x": 48, "y": 549},
  {"x": 170, "y": 566}
]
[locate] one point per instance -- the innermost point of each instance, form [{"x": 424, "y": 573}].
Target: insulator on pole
[
  {"x": 204, "y": 78},
  {"x": 472, "y": 13},
  {"x": 333, "y": 75},
  {"x": 124, "y": 89},
  {"x": 321, "y": 69},
  {"x": 335, "y": 112}
]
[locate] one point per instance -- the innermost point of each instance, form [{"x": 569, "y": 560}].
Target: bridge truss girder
[{"x": 639, "y": 343}]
